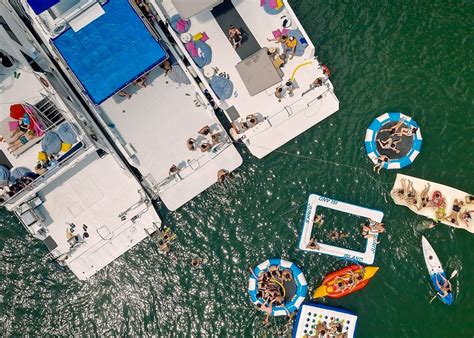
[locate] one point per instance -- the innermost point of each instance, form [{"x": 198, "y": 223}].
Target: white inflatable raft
[
  {"x": 314, "y": 201},
  {"x": 448, "y": 194}
]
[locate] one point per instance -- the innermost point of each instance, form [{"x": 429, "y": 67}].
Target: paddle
[{"x": 453, "y": 274}]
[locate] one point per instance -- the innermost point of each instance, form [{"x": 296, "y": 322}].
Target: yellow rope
[
  {"x": 281, "y": 285},
  {"x": 296, "y": 69}
]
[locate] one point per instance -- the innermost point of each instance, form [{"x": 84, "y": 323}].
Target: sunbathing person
[
  {"x": 466, "y": 217},
  {"x": 424, "y": 197},
  {"x": 20, "y": 141},
  {"x": 469, "y": 199},
  {"x": 390, "y": 144},
  {"x": 453, "y": 216},
  {"x": 400, "y": 192},
  {"x": 123, "y": 93},
  {"x": 381, "y": 160},
  {"x": 395, "y": 128},
  {"x": 410, "y": 131},
  {"x": 235, "y": 36}
]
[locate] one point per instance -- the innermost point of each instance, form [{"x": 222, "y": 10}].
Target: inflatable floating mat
[
  {"x": 315, "y": 201},
  {"x": 408, "y": 146},
  {"x": 448, "y": 195},
  {"x": 311, "y": 314}
]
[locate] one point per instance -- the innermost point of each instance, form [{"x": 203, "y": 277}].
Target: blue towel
[{"x": 206, "y": 59}]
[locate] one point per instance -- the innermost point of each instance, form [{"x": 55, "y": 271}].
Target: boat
[
  {"x": 316, "y": 320},
  {"x": 316, "y": 203},
  {"x": 326, "y": 288},
  {"x": 435, "y": 270},
  {"x": 440, "y": 203},
  {"x": 63, "y": 179},
  {"x": 153, "y": 109},
  {"x": 243, "y": 79}
]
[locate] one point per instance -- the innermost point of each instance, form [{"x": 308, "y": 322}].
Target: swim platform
[
  {"x": 294, "y": 298},
  {"x": 311, "y": 314},
  {"x": 111, "y": 51},
  {"x": 409, "y": 146},
  {"x": 315, "y": 201}
]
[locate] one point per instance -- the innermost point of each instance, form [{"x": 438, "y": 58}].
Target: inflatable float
[
  {"x": 317, "y": 320},
  {"x": 435, "y": 269},
  {"x": 439, "y": 203},
  {"x": 405, "y": 134},
  {"x": 294, "y": 292},
  {"x": 327, "y": 288},
  {"x": 315, "y": 201}
]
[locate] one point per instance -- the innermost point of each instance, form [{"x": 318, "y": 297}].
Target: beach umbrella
[
  {"x": 68, "y": 132},
  {"x": 51, "y": 143}
]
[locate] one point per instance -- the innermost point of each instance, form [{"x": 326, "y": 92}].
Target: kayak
[
  {"x": 327, "y": 286},
  {"x": 435, "y": 269}
]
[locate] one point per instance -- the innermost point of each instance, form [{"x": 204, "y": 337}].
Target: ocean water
[{"x": 414, "y": 57}]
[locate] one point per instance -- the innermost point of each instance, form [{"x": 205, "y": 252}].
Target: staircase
[{"x": 48, "y": 113}]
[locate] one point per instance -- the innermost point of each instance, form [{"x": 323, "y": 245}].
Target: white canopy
[{"x": 189, "y": 8}]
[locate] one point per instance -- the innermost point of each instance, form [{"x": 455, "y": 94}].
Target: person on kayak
[{"x": 445, "y": 288}]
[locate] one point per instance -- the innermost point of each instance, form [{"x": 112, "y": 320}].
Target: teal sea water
[{"x": 414, "y": 57}]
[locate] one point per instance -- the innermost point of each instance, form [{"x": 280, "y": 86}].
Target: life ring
[
  {"x": 44, "y": 82},
  {"x": 326, "y": 70},
  {"x": 437, "y": 198},
  {"x": 290, "y": 305}
]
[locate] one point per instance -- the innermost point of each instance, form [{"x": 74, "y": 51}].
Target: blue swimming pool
[{"x": 111, "y": 51}]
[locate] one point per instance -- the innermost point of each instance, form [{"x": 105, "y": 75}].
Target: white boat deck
[
  {"x": 279, "y": 121},
  {"x": 155, "y": 123},
  {"x": 96, "y": 192}
]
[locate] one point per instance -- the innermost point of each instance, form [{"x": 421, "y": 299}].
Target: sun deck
[
  {"x": 99, "y": 194},
  {"x": 155, "y": 124},
  {"x": 279, "y": 122}
]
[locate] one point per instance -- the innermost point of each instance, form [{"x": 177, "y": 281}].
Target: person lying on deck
[
  {"x": 425, "y": 199},
  {"x": 469, "y": 199},
  {"x": 235, "y": 36},
  {"x": 390, "y": 144},
  {"x": 453, "y": 216},
  {"x": 21, "y": 140},
  {"x": 466, "y": 217},
  {"x": 393, "y": 129},
  {"x": 410, "y": 131}
]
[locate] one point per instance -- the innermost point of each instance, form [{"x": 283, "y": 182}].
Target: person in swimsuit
[
  {"x": 166, "y": 66},
  {"x": 381, "y": 160},
  {"x": 407, "y": 132},
  {"x": 287, "y": 276},
  {"x": 204, "y": 131},
  {"x": 338, "y": 234},
  {"x": 20, "y": 141},
  {"x": 466, "y": 217},
  {"x": 366, "y": 233},
  {"x": 390, "y": 144},
  {"x": 313, "y": 244},
  {"x": 424, "y": 197},
  {"x": 205, "y": 147},
  {"x": 321, "y": 329},
  {"x": 319, "y": 219},
  {"x": 235, "y": 36},
  {"x": 393, "y": 129},
  {"x": 222, "y": 174},
  {"x": 191, "y": 144},
  {"x": 444, "y": 288},
  {"x": 469, "y": 199},
  {"x": 400, "y": 192},
  {"x": 453, "y": 216}
]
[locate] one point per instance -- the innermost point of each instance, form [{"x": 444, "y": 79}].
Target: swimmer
[
  {"x": 196, "y": 262},
  {"x": 381, "y": 160},
  {"x": 390, "y": 144},
  {"x": 268, "y": 310},
  {"x": 338, "y": 234},
  {"x": 319, "y": 219},
  {"x": 366, "y": 233},
  {"x": 222, "y": 174},
  {"x": 312, "y": 244}
]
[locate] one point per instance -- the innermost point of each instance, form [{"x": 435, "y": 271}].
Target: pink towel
[
  {"x": 272, "y": 4},
  {"x": 284, "y": 31},
  {"x": 180, "y": 27},
  {"x": 276, "y": 33},
  {"x": 204, "y": 37},
  {"x": 263, "y": 2},
  {"x": 13, "y": 125}
]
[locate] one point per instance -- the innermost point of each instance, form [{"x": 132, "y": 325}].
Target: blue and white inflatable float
[
  {"x": 408, "y": 146},
  {"x": 294, "y": 302}
]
